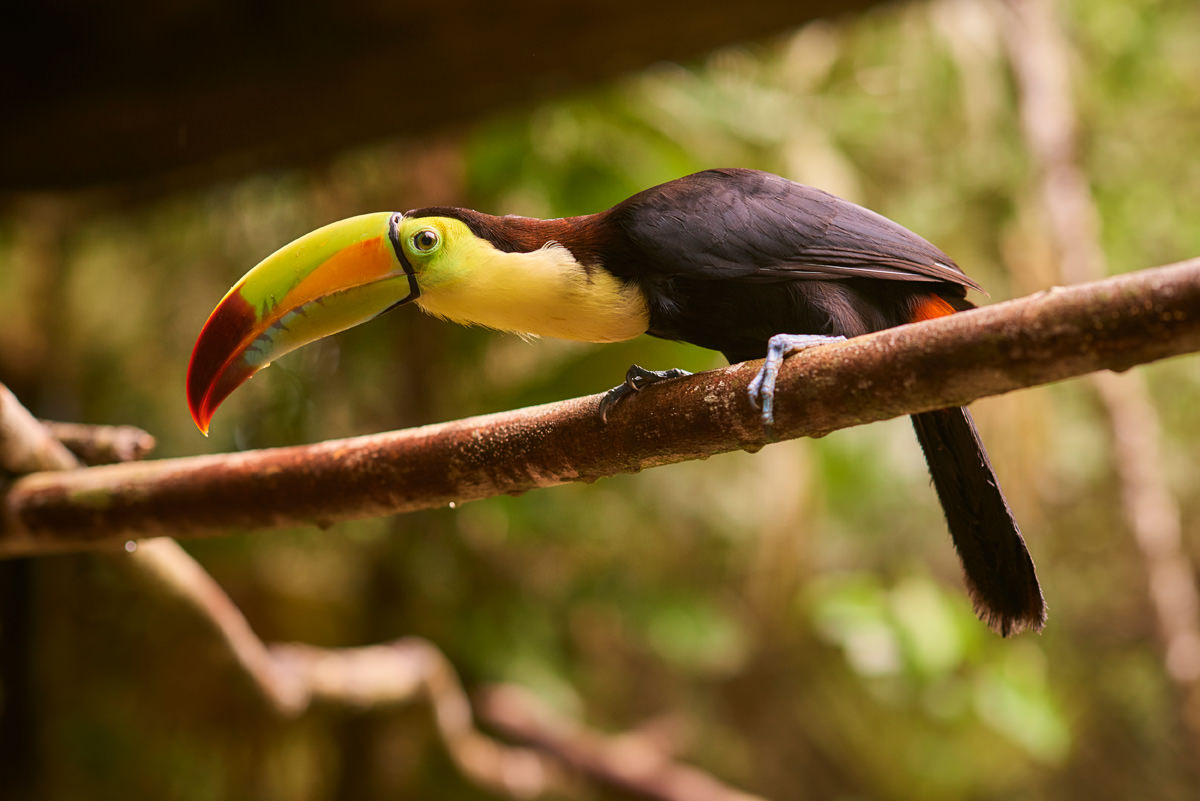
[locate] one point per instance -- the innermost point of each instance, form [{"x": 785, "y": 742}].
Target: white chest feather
[{"x": 546, "y": 293}]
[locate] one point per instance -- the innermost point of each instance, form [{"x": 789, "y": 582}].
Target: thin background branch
[
  {"x": 292, "y": 677},
  {"x": 95, "y": 445}
]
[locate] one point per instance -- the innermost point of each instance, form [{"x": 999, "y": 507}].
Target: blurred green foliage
[{"x": 799, "y": 610}]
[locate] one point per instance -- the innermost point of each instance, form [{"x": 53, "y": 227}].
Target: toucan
[{"x": 739, "y": 261}]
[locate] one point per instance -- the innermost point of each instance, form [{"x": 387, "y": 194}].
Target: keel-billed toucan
[{"x": 725, "y": 259}]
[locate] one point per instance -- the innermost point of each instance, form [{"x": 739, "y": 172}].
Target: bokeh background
[{"x": 796, "y": 615}]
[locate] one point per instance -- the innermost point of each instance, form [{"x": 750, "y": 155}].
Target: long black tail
[{"x": 999, "y": 571}]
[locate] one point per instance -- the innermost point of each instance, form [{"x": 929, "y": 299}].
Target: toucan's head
[
  {"x": 324, "y": 282},
  {"x": 516, "y": 274}
]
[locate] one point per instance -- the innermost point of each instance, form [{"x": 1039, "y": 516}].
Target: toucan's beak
[{"x": 327, "y": 281}]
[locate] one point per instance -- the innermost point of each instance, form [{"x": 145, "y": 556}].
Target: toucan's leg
[
  {"x": 635, "y": 378},
  {"x": 762, "y": 388}
]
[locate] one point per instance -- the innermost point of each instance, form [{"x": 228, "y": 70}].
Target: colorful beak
[{"x": 327, "y": 281}]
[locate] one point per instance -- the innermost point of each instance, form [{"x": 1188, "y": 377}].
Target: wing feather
[{"x": 754, "y": 226}]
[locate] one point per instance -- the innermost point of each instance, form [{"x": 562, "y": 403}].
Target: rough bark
[{"x": 1112, "y": 324}]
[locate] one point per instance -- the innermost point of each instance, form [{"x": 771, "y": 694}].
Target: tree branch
[
  {"x": 25, "y": 444},
  {"x": 102, "y": 444},
  {"x": 1112, "y": 324},
  {"x": 630, "y": 763}
]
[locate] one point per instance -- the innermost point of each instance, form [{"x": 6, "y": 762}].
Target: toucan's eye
[{"x": 426, "y": 240}]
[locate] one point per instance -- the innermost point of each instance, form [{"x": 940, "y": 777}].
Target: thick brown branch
[{"x": 1111, "y": 324}]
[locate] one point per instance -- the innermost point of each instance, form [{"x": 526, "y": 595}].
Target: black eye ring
[{"x": 426, "y": 240}]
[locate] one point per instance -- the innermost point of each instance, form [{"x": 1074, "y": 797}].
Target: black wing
[{"x": 754, "y": 226}]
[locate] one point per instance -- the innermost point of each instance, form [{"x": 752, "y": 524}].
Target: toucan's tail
[{"x": 999, "y": 571}]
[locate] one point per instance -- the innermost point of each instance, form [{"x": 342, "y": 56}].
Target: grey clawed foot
[
  {"x": 780, "y": 346},
  {"x": 636, "y": 377}
]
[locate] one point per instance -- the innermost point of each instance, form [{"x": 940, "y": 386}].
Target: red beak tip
[{"x": 200, "y": 418}]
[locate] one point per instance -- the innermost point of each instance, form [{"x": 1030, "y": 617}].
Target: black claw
[
  {"x": 613, "y": 397},
  {"x": 636, "y": 377}
]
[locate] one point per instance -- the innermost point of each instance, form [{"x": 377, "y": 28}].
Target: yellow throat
[{"x": 545, "y": 293}]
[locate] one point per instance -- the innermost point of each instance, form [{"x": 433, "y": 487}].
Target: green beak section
[{"x": 324, "y": 282}]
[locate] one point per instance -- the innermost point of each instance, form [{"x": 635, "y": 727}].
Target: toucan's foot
[
  {"x": 635, "y": 378},
  {"x": 762, "y": 388}
]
